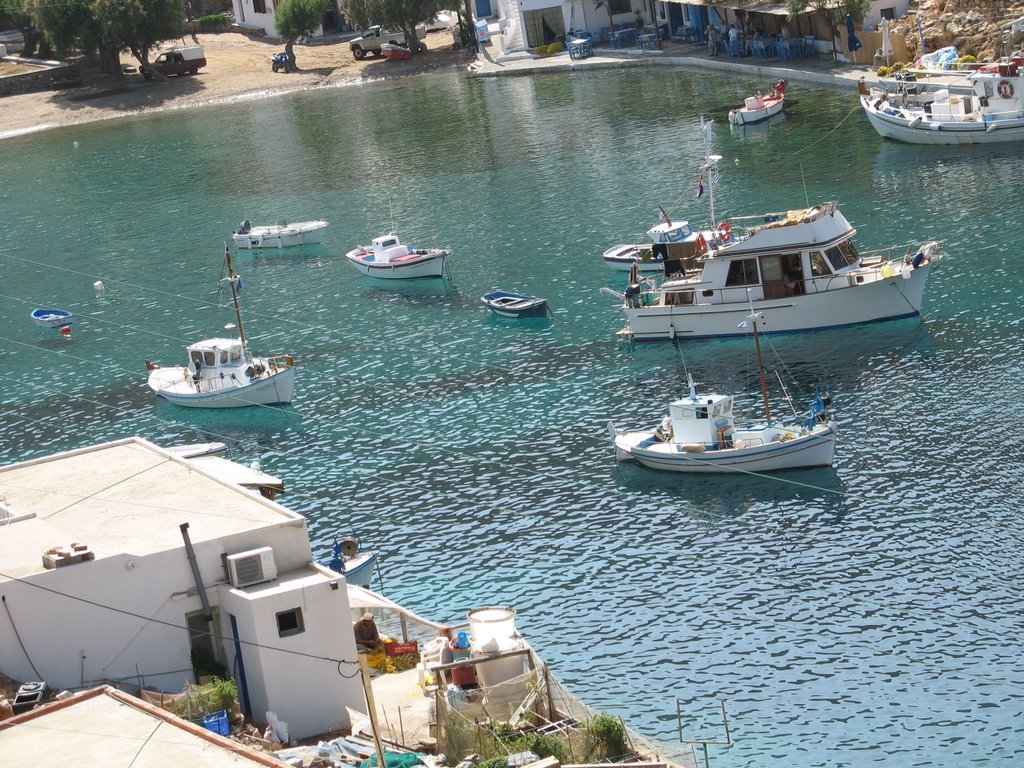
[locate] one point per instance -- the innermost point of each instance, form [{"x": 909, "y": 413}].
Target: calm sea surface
[{"x": 866, "y": 615}]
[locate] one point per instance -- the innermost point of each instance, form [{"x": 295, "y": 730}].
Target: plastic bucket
[{"x": 485, "y": 624}]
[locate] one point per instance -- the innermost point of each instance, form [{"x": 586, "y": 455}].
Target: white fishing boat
[
  {"x": 701, "y": 434},
  {"x": 800, "y": 267},
  {"x": 665, "y": 238},
  {"x": 757, "y": 107},
  {"x": 979, "y": 106},
  {"x": 222, "y": 372},
  {"x": 280, "y": 235},
  {"x": 389, "y": 258}
]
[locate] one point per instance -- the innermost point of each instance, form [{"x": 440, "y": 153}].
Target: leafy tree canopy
[
  {"x": 403, "y": 14},
  {"x": 138, "y": 25},
  {"x": 856, "y": 8},
  {"x": 299, "y": 18},
  {"x": 68, "y": 25}
]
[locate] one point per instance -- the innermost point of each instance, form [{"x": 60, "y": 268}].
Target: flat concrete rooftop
[{"x": 127, "y": 496}]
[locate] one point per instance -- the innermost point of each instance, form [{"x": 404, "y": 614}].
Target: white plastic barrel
[{"x": 486, "y": 624}]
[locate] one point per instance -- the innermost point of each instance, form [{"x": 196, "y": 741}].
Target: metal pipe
[{"x": 207, "y": 612}]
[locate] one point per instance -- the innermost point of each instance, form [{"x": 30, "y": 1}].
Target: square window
[
  {"x": 888, "y": 13},
  {"x": 290, "y": 623}
]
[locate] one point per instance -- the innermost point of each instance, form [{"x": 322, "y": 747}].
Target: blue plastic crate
[{"x": 217, "y": 722}]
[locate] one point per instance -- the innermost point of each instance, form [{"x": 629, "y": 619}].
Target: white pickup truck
[{"x": 374, "y": 37}]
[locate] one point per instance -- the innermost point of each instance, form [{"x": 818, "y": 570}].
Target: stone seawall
[{"x": 48, "y": 76}]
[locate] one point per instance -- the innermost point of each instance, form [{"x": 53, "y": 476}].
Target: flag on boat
[
  {"x": 716, "y": 175},
  {"x": 238, "y": 283},
  {"x": 700, "y": 185}
]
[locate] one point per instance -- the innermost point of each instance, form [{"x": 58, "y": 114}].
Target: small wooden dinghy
[
  {"x": 509, "y": 304},
  {"x": 52, "y": 318}
]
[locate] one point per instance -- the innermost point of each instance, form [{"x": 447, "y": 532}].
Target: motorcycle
[{"x": 280, "y": 61}]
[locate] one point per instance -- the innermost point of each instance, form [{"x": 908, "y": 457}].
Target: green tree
[
  {"x": 832, "y": 11},
  {"x": 403, "y": 14},
  {"x": 298, "y": 18},
  {"x": 138, "y": 26},
  {"x": 15, "y": 13},
  {"x": 72, "y": 26}
]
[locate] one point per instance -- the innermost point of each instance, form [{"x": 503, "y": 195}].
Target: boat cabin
[
  {"x": 215, "y": 353},
  {"x": 388, "y": 247},
  {"x": 773, "y": 257},
  {"x": 701, "y": 420}
]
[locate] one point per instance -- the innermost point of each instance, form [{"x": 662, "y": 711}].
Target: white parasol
[{"x": 886, "y": 42}]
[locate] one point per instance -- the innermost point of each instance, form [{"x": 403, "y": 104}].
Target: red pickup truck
[{"x": 178, "y": 61}]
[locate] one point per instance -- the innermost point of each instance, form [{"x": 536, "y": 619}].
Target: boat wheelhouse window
[
  {"x": 842, "y": 255},
  {"x": 818, "y": 265},
  {"x": 196, "y": 356},
  {"x": 389, "y": 242},
  {"x": 209, "y": 357},
  {"x": 742, "y": 272},
  {"x": 707, "y": 292},
  {"x": 702, "y": 410},
  {"x": 676, "y": 298},
  {"x": 223, "y": 356},
  {"x": 236, "y": 353},
  {"x": 290, "y": 623}
]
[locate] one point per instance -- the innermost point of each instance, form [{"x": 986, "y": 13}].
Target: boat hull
[
  {"x": 883, "y": 299},
  {"x": 302, "y": 233},
  {"x": 272, "y": 388},
  {"x": 816, "y": 449},
  {"x": 623, "y": 257},
  {"x": 358, "y": 569},
  {"x": 52, "y": 318},
  {"x": 914, "y": 130},
  {"x": 746, "y": 116},
  {"x": 515, "y": 305},
  {"x": 426, "y": 265}
]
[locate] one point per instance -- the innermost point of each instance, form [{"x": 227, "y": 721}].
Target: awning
[{"x": 780, "y": 9}]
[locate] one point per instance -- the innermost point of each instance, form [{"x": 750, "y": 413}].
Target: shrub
[
  {"x": 555, "y": 48},
  {"x": 205, "y": 700},
  {"x": 214, "y": 22},
  {"x": 609, "y": 737},
  {"x": 541, "y": 50}
]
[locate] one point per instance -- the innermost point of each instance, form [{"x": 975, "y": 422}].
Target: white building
[
  {"x": 126, "y": 605},
  {"x": 258, "y": 16}
]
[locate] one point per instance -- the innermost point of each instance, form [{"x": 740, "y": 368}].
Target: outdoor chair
[
  {"x": 808, "y": 45},
  {"x": 758, "y": 50}
]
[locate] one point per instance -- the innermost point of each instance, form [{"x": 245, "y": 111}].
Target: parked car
[
  {"x": 178, "y": 61},
  {"x": 443, "y": 20},
  {"x": 375, "y": 36}
]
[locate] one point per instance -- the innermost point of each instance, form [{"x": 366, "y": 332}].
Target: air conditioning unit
[{"x": 252, "y": 567}]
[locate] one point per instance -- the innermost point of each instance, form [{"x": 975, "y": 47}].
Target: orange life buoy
[
  {"x": 702, "y": 244},
  {"x": 1005, "y": 89},
  {"x": 725, "y": 230}
]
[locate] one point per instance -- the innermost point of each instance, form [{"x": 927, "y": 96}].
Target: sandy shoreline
[{"x": 238, "y": 68}]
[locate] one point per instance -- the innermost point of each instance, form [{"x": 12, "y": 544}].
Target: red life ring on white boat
[
  {"x": 725, "y": 230},
  {"x": 1005, "y": 89}
]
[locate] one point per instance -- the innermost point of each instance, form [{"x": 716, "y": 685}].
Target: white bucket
[{"x": 486, "y": 624}]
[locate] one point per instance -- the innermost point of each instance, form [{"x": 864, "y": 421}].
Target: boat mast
[
  {"x": 760, "y": 368},
  {"x": 710, "y": 166},
  {"x": 234, "y": 295}
]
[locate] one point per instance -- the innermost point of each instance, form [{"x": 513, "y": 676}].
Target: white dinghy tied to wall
[
  {"x": 800, "y": 267},
  {"x": 701, "y": 435},
  {"x": 222, "y": 372}
]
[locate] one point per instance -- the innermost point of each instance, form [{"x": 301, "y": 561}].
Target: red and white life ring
[
  {"x": 1005, "y": 89},
  {"x": 725, "y": 230}
]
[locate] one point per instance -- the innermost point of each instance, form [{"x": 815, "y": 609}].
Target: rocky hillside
[{"x": 973, "y": 26}]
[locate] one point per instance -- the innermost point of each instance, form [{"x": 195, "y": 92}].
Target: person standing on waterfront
[{"x": 712, "y": 35}]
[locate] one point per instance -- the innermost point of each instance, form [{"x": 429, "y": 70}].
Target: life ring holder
[
  {"x": 1005, "y": 89},
  {"x": 725, "y": 230}
]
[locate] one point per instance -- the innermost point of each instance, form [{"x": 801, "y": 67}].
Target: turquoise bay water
[{"x": 866, "y": 615}]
